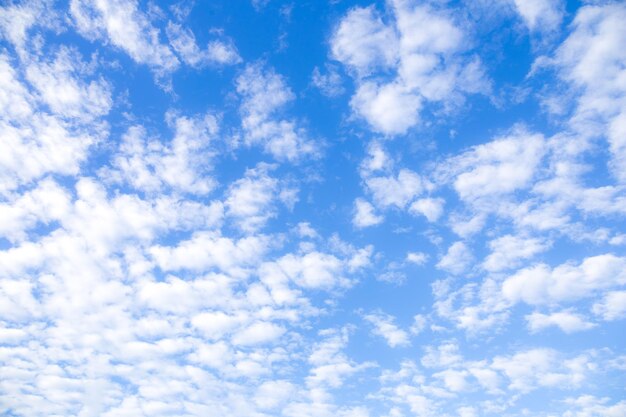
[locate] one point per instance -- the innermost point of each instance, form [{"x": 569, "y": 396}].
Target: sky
[{"x": 316, "y": 208}]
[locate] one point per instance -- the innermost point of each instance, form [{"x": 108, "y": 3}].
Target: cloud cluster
[{"x": 401, "y": 62}]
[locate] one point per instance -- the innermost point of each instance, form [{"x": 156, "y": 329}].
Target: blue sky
[{"x": 308, "y": 209}]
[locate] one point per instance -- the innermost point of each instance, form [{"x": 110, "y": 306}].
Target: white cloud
[
  {"x": 258, "y": 333},
  {"x": 389, "y": 108},
  {"x": 395, "y": 191},
  {"x": 61, "y": 85},
  {"x": 272, "y": 394},
  {"x": 385, "y": 327},
  {"x": 311, "y": 270},
  {"x": 612, "y": 306},
  {"x": 508, "y": 251},
  {"x": 541, "y": 15},
  {"x": 263, "y": 94},
  {"x": 588, "y": 405},
  {"x": 498, "y": 167},
  {"x": 35, "y": 142},
  {"x": 46, "y": 203},
  {"x": 364, "y": 214},
  {"x": 444, "y": 355},
  {"x": 567, "y": 282},
  {"x": 417, "y": 258},
  {"x": 214, "y": 324},
  {"x": 419, "y": 324},
  {"x": 534, "y": 368},
  {"x": 330, "y": 365},
  {"x": 184, "y": 43},
  {"x": 183, "y": 165},
  {"x": 123, "y": 25},
  {"x": 251, "y": 200},
  {"x": 363, "y": 42},
  {"x": 377, "y": 159},
  {"x": 207, "y": 250},
  {"x": 457, "y": 259},
  {"x": 16, "y": 20},
  {"x": 418, "y": 54},
  {"x": 564, "y": 320},
  {"x": 431, "y": 208},
  {"x": 592, "y": 61},
  {"x": 329, "y": 83}
]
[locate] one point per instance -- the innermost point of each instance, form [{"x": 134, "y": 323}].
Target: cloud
[
  {"x": 612, "y": 306},
  {"x": 258, "y": 333},
  {"x": 61, "y": 85},
  {"x": 251, "y": 200},
  {"x": 566, "y": 321},
  {"x": 457, "y": 259},
  {"x": 126, "y": 27},
  {"x": 395, "y": 190},
  {"x": 263, "y": 94},
  {"x": 363, "y": 42},
  {"x": 385, "y": 327},
  {"x": 541, "y": 15},
  {"x": 329, "y": 83},
  {"x": 418, "y": 258},
  {"x": 153, "y": 262},
  {"x": 508, "y": 251},
  {"x": 364, "y": 214},
  {"x": 398, "y": 68},
  {"x": 208, "y": 250},
  {"x": 38, "y": 142},
  {"x": 389, "y": 108},
  {"x": 592, "y": 62},
  {"x": 150, "y": 165},
  {"x": 184, "y": 43},
  {"x": 541, "y": 284},
  {"x": 431, "y": 208},
  {"x": 498, "y": 167}
]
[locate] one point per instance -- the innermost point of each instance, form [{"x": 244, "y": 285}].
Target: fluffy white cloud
[
  {"x": 535, "y": 368},
  {"x": 418, "y": 258},
  {"x": 389, "y": 108},
  {"x": 541, "y": 15},
  {"x": 37, "y": 142},
  {"x": 61, "y": 85},
  {"x": 364, "y": 214},
  {"x": 588, "y": 405},
  {"x": 385, "y": 327},
  {"x": 592, "y": 60},
  {"x": 612, "y": 306},
  {"x": 126, "y": 27},
  {"x": 509, "y": 250},
  {"x": 363, "y": 42},
  {"x": 46, "y": 203},
  {"x": 498, "y": 167},
  {"x": 431, "y": 208},
  {"x": 184, "y": 43},
  {"x": 457, "y": 259},
  {"x": 251, "y": 200},
  {"x": 395, "y": 190},
  {"x": 207, "y": 250},
  {"x": 329, "y": 83},
  {"x": 263, "y": 94},
  {"x": 330, "y": 365},
  {"x": 541, "y": 284},
  {"x": 566, "y": 321},
  {"x": 422, "y": 50},
  {"x": 182, "y": 165},
  {"x": 258, "y": 333}
]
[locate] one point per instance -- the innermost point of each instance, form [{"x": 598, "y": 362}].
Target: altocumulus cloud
[{"x": 259, "y": 208}]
